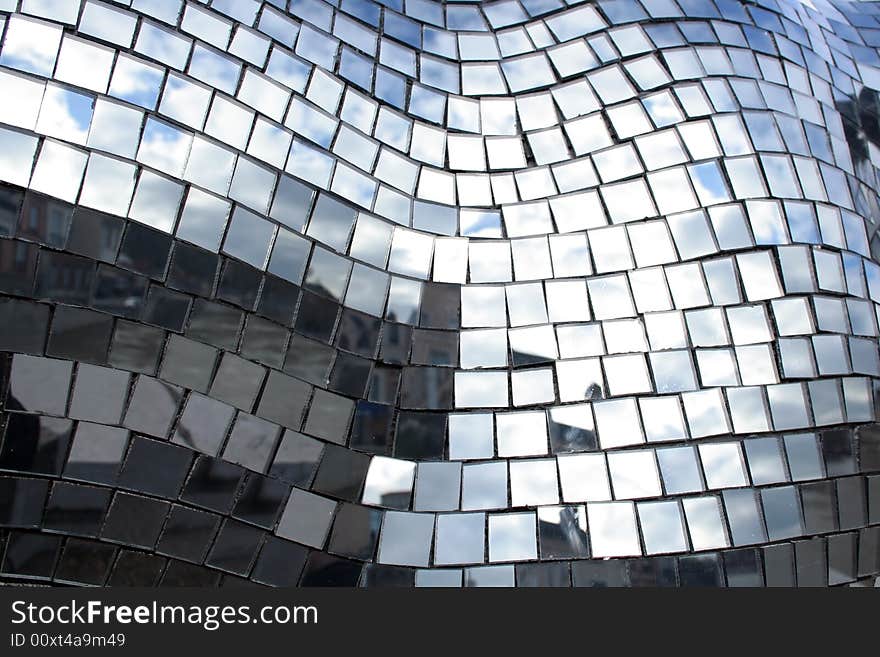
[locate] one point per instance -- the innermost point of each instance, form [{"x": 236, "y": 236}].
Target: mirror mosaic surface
[{"x": 420, "y": 293}]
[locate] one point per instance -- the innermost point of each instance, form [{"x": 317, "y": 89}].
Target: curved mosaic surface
[{"x": 523, "y": 292}]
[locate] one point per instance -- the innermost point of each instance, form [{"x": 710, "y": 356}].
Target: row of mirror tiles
[
  {"x": 417, "y": 476},
  {"x": 746, "y": 276},
  {"x": 316, "y": 103},
  {"x": 73, "y": 325},
  {"x": 88, "y": 335},
  {"x": 73, "y": 279},
  {"x": 718, "y": 280},
  {"x": 843, "y": 559},
  {"x": 76, "y": 118},
  {"x": 727, "y": 129},
  {"x": 619, "y": 421},
  {"x": 290, "y": 202},
  {"x": 396, "y": 67},
  {"x": 738, "y": 517}
]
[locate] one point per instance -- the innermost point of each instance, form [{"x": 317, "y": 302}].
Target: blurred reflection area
[{"x": 861, "y": 125}]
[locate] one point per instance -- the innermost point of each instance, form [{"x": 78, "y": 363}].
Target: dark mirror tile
[
  {"x": 10, "y": 207},
  {"x": 45, "y": 220},
  {"x": 779, "y": 565},
  {"x": 599, "y": 574},
  {"x": 869, "y": 551},
  {"x": 188, "y": 363},
  {"x": 377, "y": 575},
  {"x": 134, "y": 520},
  {"x": 654, "y": 572},
  {"x": 261, "y": 500},
  {"x": 212, "y": 484},
  {"x": 350, "y": 375},
  {"x": 308, "y": 360},
  {"x": 811, "y": 565},
  {"x": 280, "y": 562},
  {"x": 80, "y": 334},
  {"x": 326, "y": 570},
  {"x": 851, "y": 498},
  {"x": 841, "y": 559},
  {"x": 215, "y": 323},
  {"x": 700, "y": 570},
  {"x": 64, "y": 278},
  {"x": 235, "y": 547},
  {"x": 316, "y": 317},
  {"x": 278, "y": 300},
  {"x": 35, "y": 444},
  {"x": 95, "y": 235},
  {"x": 99, "y": 394},
  {"x": 396, "y": 343},
  {"x": 155, "y": 467},
  {"x": 145, "y": 251},
  {"x": 420, "y": 436},
  {"x": 251, "y": 442},
  {"x": 119, "y": 292},
  {"x": 869, "y": 446},
  {"x": 440, "y": 306},
  {"x": 284, "y": 400},
  {"x": 355, "y": 531},
  {"x": 371, "y": 428},
  {"x": 235, "y": 582},
  {"x": 358, "y": 333},
  {"x": 153, "y": 406},
  {"x": 819, "y": 504},
  {"x": 874, "y": 499},
  {"x": 166, "y": 308},
  {"x": 136, "y": 569},
  {"x": 427, "y": 387},
  {"x": 39, "y": 385},
  {"x": 203, "y": 425},
  {"x": 432, "y": 347},
  {"x": 237, "y": 382},
  {"x": 341, "y": 473},
  {"x": 837, "y": 448},
  {"x": 30, "y": 555},
  {"x": 18, "y": 272},
  {"x": 297, "y": 459},
  {"x": 21, "y": 501},
  {"x": 384, "y": 384},
  {"x": 76, "y": 509},
  {"x": 192, "y": 269},
  {"x": 85, "y": 562},
  {"x": 264, "y": 342},
  {"x": 188, "y": 533},
  {"x": 180, "y": 573},
  {"x": 239, "y": 284},
  {"x": 97, "y": 453},
  {"x": 25, "y": 325},
  {"x": 136, "y": 347},
  {"x": 543, "y": 575},
  {"x": 329, "y": 417},
  {"x": 744, "y": 568}
]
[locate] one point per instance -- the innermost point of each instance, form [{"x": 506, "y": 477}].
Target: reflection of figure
[
  {"x": 594, "y": 392},
  {"x": 569, "y": 527}
]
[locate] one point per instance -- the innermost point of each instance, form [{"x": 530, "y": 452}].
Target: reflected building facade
[{"x": 421, "y": 293}]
